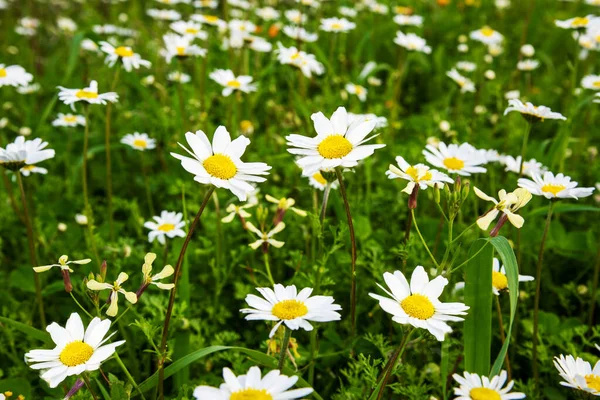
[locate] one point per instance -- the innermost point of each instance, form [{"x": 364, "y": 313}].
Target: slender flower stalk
[
  {"x": 86, "y": 200},
  {"x": 503, "y": 335},
  {"x": 412, "y": 213},
  {"x": 284, "y": 345},
  {"x": 524, "y": 149},
  {"x": 392, "y": 362},
  {"x": 111, "y": 227}
]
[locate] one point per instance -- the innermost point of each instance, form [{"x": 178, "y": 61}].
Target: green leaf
[
  {"x": 26, "y": 329},
  {"x": 478, "y": 296},
  {"x": 562, "y": 208},
  {"x": 509, "y": 261}
]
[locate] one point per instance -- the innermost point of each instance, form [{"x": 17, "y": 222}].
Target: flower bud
[
  {"x": 465, "y": 191},
  {"x": 412, "y": 199}
]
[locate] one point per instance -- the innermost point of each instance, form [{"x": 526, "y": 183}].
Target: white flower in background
[
  {"x": 164, "y": 15},
  {"x": 14, "y": 75},
  {"x": 552, "y": 187},
  {"x": 578, "y": 374},
  {"x": 243, "y": 4},
  {"x": 528, "y": 65},
  {"x": 27, "y": 26},
  {"x": 267, "y": 13},
  {"x": 337, "y": 144},
  {"x": 591, "y": 82},
  {"x": 209, "y": 20},
  {"x": 466, "y": 66},
  {"x": 358, "y": 90},
  {"x": 81, "y": 219},
  {"x": 230, "y": 82},
  {"x": 168, "y": 224},
  {"x": 530, "y": 167},
  {"x": 378, "y": 8},
  {"x": 63, "y": 263},
  {"x": 597, "y": 99},
  {"x": 499, "y": 279},
  {"x": 32, "y": 169},
  {"x": 272, "y": 386},
  {"x": 512, "y": 94},
  {"x": 412, "y": 42},
  {"x": 180, "y": 46},
  {"x": 66, "y": 24},
  {"x": 417, "y": 304},
  {"x": 23, "y": 152},
  {"x": 174, "y": 2},
  {"x": 190, "y": 29},
  {"x": 487, "y": 36},
  {"x": 288, "y": 306},
  {"x": 259, "y": 44},
  {"x": 29, "y": 89},
  {"x": 418, "y": 174},
  {"x": 473, "y": 386},
  {"x": 242, "y": 27},
  {"x": 179, "y": 77},
  {"x": 507, "y": 203},
  {"x": 115, "y": 288},
  {"x": 336, "y": 25},
  {"x": 527, "y": 50},
  {"x": 577, "y": 22},
  {"x": 465, "y": 84},
  {"x": 220, "y": 164},
  {"x": 348, "y": 12},
  {"x": 139, "y": 141},
  {"x": 129, "y": 59},
  {"x": 295, "y": 16},
  {"x": 266, "y": 238},
  {"x": 77, "y": 350},
  {"x": 299, "y": 33},
  {"x": 408, "y": 20},
  {"x": 532, "y": 113},
  {"x": 90, "y": 45},
  {"x": 89, "y": 95},
  {"x": 318, "y": 181},
  {"x": 206, "y": 4},
  {"x": 490, "y": 155},
  {"x": 354, "y": 119},
  {"x": 307, "y": 63},
  {"x": 309, "y": 3},
  {"x": 461, "y": 159}
]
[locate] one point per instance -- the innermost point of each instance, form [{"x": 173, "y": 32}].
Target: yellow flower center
[
  {"x": 334, "y": 146},
  {"x": 166, "y": 227},
  {"x": 234, "y": 84},
  {"x": 418, "y": 306},
  {"x": 180, "y": 50},
  {"x": 220, "y": 166},
  {"x": 76, "y": 353},
  {"x": 84, "y": 94},
  {"x": 123, "y": 51},
  {"x": 487, "y": 31},
  {"x": 454, "y": 163},
  {"x": 580, "y": 21},
  {"x": 295, "y": 56},
  {"x": 554, "y": 189},
  {"x": 3, "y": 73},
  {"x": 251, "y": 394},
  {"x": 593, "y": 382},
  {"x": 289, "y": 309},
  {"x": 596, "y": 84},
  {"x": 140, "y": 143},
  {"x": 336, "y": 25},
  {"x": 319, "y": 178},
  {"x": 499, "y": 280},
  {"x": 414, "y": 173},
  {"x": 358, "y": 89},
  {"x": 484, "y": 394},
  {"x": 211, "y": 18},
  {"x": 193, "y": 31},
  {"x": 70, "y": 119},
  {"x": 28, "y": 168}
]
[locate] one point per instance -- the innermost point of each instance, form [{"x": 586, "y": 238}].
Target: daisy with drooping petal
[
  {"x": 191, "y": 29},
  {"x": 508, "y": 204},
  {"x": 77, "y": 349},
  {"x": 358, "y": 90},
  {"x": 412, "y": 42},
  {"x": 115, "y": 289},
  {"x": 530, "y": 167},
  {"x": 150, "y": 279},
  {"x": 89, "y": 95},
  {"x": 219, "y": 164},
  {"x": 465, "y": 84},
  {"x": 266, "y": 238},
  {"x": 273, "y": 386},
  {"x": 578, "y": 374},
  {"x": 475, "y": 387},
  {"x": 553, "y": 187},
  {"x": 129, "y": 59},
  {"x": 461, "y": 159},
  {"x": 417, "y": 304},
  {"x": 230, "y": 82},
  {"x": 288, "y": 306},
  {"x": 337, "y": 144},
  {"x": 139, "y": 141},
  {"x": 487, "y": 36},
  {"x": 180, "y": 46},
  {"x": 14, "y": 75},
  {"x": 168, "y": 224},
  {"x": 69, "y": 120},
  {"x": 532, "y": 113},
  {"x": 591, "y": 82},
  {"x": 337, "y": 25},
  {"x": 23, "y": 152},
  {"x": 418, "y": 174}
]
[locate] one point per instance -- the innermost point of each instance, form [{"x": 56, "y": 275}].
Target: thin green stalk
[
  {"x": 450, "y": 241},
  {"x": 31, "y": 243},
  {"x": 218, "y": 256},
  {"x": 146, "y": 184},
  {"x": 86, "y": 201},
  {"x": 126, "y": 371},
  {"x": 524, "y": 147},
  {"x": 536, "y": 303},
  {"x": 472, "y": 257},
  {"x": 392, "y": 362},
  {"x": 111, "y": 227},
  {"x": 86, "y": 379},
  {"x": 412, "y": 213},
  {"x": 122, "y": 314},
  {"x": 594, "y": 290},
  {"x": 181, "y": 99},
  {"x": 503, "y": 336},
  {"x": 284, "y": 345},
  {"x": 80, "y": 306},
  {"x": 463, "y": 232},
  {"x": 268, "y": 267}
]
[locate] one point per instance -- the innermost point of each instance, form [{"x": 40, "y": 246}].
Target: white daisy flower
[
  {"x": 336, "y": 25},
  {"x": 295, "y": 310},
  {"x": 266, "y": 238},
  {"x": 508, "y": 204},
  {"x": 530, "y": 167},
  {"x": 309, "y": 3},
  {"x": 69, "y": 120},
  {"x": 173, "y": 2},
  {"x": 27, "y": 26},
  {"x": 552, "y": 187},
  {"x": 129, "y": 59},
  {"x": 267, "y": 13},
  {"x": 189, "y": 28},
  {"x": 115, "y": 288},
  {"x": 179, "y": 77},
  {"x": 273, "y": 386},
  {"x": 139, "y": 141},
  {"x": 180, "y": 46},
  {"x": 512, "y": 94},
  {"x": 150, "y": 279},
  {"x": 259, "y": 44},
  {"x": 378, "y": 8},
  {"x": 487, "y": 36},
  {"x": 380, "y": 122},
  {"x": 417, "y": 304},
  {"x": 230, "y": 82},
  {"x": 499, "y": 279},
  {"x": 243, "y": 4},
  {"x": 418, "y": 174},
  {"x": 206, "y": 4},
  {"x": 295, "y": 16},
  {"x": 209, "y": 20},
  {"x": 528, "y": 65},
  {"x": 465, "y": 84},
  {"x": 243, "y": 27},
  {"x": 408, "y": 20},
  {"x": 32, "y": 169},
  {"x": 24, "y": 152},
  {"x": 461, "y": 159},
  {"x": 299, "y": 33},
  {"x": 63, "y": 263},
  {"x": 412, "y": 42},
  {"x": 14, "y": 75},
  {"x": 475, "y": 387},
  {"x": 168, "y": 224},
  {"x": 89, "y": 95},
  {"x": 591, "y": 82},
  {"x": 77, "y": 349},
  {"x": 532, "y": 113},
  {"x": 490, "y": 155},
  {"x": 466, "y": 66},
  {"x": 318, "y": 181},
  {"x": 66, "y": 24},
  {"x": 577, "y": 22},
  {"x": 164, "y": 15},
  {"x": 348, "y": 12},
  {"x": 29, "y": 89},
  {"x": 578, "y": 374},
  {"x": 307, "y": 63},
  {"x": 337, "y": 144},
  {"x": 219, "y": 164},
  {"x": 358, "y": 90}
]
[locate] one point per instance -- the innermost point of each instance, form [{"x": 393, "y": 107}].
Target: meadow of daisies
[{"x": 299, "y": 199}]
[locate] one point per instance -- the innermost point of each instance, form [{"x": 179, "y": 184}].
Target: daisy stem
[
  {"x": 126, "y": 371},
  {"x": 536, "y": 303},
  {"x": 180, "y": 97},
  {"x": 324, "y": 205},
  {"x": 32, "y": 258},
  {"x": 268, "y": 267},
  {"x": 392, "y": 362},
  {"x": 80, "y": 306},
  {"x": 524, "y": 147},
  {"x": 470, "y": 258},
  {"x": 284, "y": 345},
  {"x": 412, "y": 213},
  {"x": 86, "y": 379},
  {"x": 146, "y": 184},
  {"x": 111, "y": 227},
  {"x": 338, "y": 172},
  {"x": 123, "y": 313},
  {"x": 503, "y": 336},
  {"x": 165, "y": 334},
  {"x": 86, "y": 200},
  {"x": 594, "y": 290}
]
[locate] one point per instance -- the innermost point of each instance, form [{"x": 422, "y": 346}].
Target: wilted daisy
[
  {"x": 475, "y": 387},
  {"x": 89, "y": 95},
  {"x": 180, "y": 46},
  {"x": 465, "y": 84},
  {"x": 70, "y": 120},
  {"x": 507, "y": 204},
  {"x": 230, "y": 82},
  {"x": 115, "y": 288},
  {"x": 487, "y": 36},
  {"x": 168, "y": 224},
  {"x": 24, "y": 152},
  {"x": 191, "y": 29},
  {"x": 129, "y": 59},
  {"x": 532, "y": 113},
  {"x": 219, "y": 164},
  {"x": 358, "y": 90},
  {"x": 529, "y": 167},
  {"x": 418, "y": 174},
  {"x": 139, "y": 141},
  {"x": 336, "y": 25},
  {"x": 164, "y": 15},
  {"x": 77, "y": 350},
  {"x": 14, "y": 75},
  {"x": 461, "y": 159},
  {"x": 307, "y": 63},
  {"x": 150, "y": 279},
  {"x": 273, "y": 386},
  {"x": 295, "y": 310},
  {"x": 299, "y": 33},
  {"x": 412, "y": 42},
  {"x": 408, "y": 20},
  {"x": 417, "y": 304},
  {"x": 553, "y": 187},
  {"x": 337, "y": 144},
  {"x": 577, "y": 22},
  {"x": 591, "y": 82},
  {"x": 528, "y": 65},
  {"x": 266, "y": 238},
  {"x": 578, "y": 374}
]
